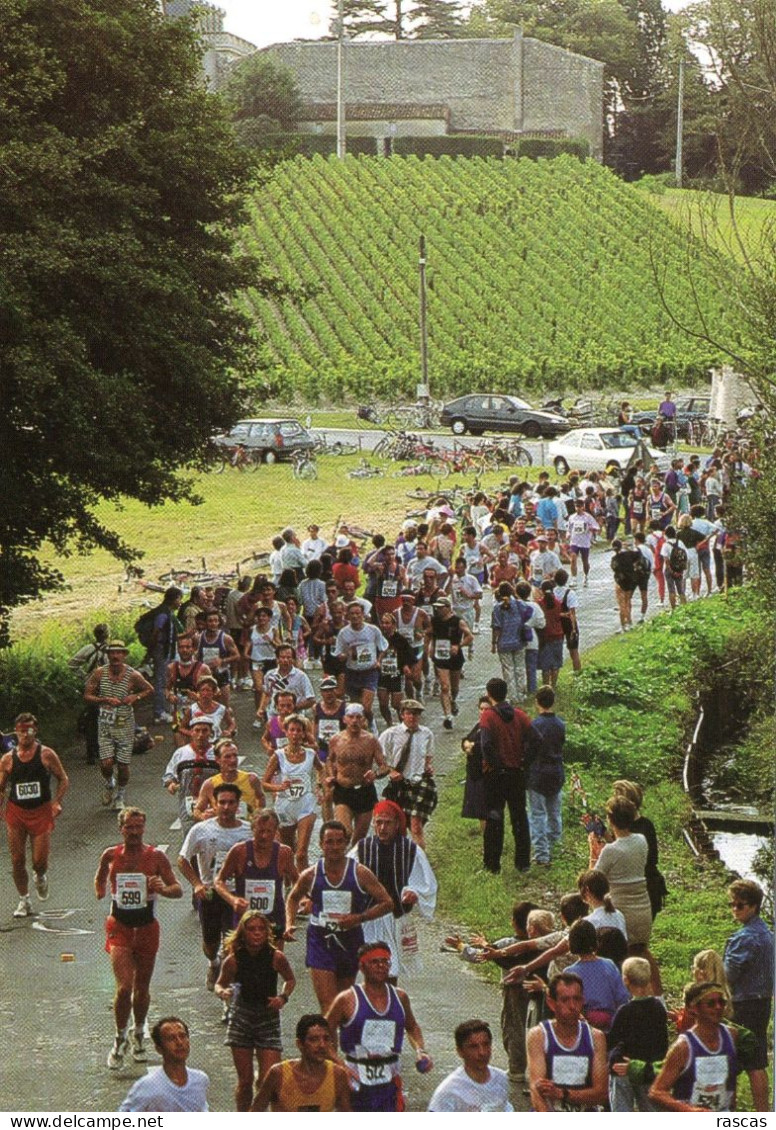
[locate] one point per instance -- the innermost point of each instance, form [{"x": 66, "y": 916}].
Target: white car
[{"x": 599, "y": 449}]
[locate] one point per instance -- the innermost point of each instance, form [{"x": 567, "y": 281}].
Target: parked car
[
  {"x": 481, "y": 411},
  {"x": 270, "y": 439},
  {"x": 689, "y": 409},
  {"x": 599, "y": 449}
]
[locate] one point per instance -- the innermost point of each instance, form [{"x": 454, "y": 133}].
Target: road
[
  {"x": 367, "y": 438},
  {"x": 55, "y": 1006}
]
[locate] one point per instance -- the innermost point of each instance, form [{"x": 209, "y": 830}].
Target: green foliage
[
  {"x": 264, "y": 94},
  {"x": 519, "y": 255},
  {"x": 120, "y": 186},
  {"x": 453, "y": 145},
  {"x": 550, "y": 147}
]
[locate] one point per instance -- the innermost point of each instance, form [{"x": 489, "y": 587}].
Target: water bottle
[{"x": 423, "y": 1063}]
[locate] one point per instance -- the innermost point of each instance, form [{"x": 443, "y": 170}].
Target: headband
[{"x": 390, "y": 808}]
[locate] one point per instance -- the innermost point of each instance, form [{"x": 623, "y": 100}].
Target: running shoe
[
  {"x": 107, "y": 793},
  {"x": 212, "y": 975},
  {"x": 448, "y": 723},
  {"x": 42, "y": 886},
  {"x": 118, "y": 803},
  {"x": 139, "y": 1051},
  {"x": 159, "y": 718},
  {"x": 117, "y": 1053},
  {"x": 24, "y": 909}
]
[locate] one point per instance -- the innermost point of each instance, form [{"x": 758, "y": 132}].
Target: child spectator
[{"x": 639, "y": 1031}]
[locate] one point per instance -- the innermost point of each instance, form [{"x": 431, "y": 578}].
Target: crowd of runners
[{"x": 351, "y": 654}]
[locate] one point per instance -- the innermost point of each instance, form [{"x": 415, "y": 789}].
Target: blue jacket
[
  {"x": 511, "y": 622},
  {"x": 749, "y": 961}
]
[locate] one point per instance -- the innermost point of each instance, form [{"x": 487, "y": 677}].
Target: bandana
[
  {"x": 389, "y": 808},
  {"x": 383, "y": 951}
]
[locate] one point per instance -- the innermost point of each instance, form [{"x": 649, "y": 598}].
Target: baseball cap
[
  {"x": 342, "y": 541},
  {"x": 117, "y": 645},
  {"x": 442, "y": 602},
  {"x": 328, "y": 684}
]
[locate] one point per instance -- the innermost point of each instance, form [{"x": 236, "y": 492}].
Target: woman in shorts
[
  {"x": 446, "y": 639},
  {"x": 248, "y": 982},
  {"x": 289, "y": 775}
]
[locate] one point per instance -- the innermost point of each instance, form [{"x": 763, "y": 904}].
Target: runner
[
  {"x": 189, "y": 767},
  {"x": 447, "y": 638},
  {"x": 116, "y": 688},
  {"x": 362, "y": 645},
  {"x": 219, "y": 652},
  {"x": 289, "y": 775},
  {"x": 260, "y": 868},
  {"x": 30, "y": 809},
  {"x": 249, "y": 983},
  {"x": 475, "y": 1085},
  {"x": 412, "y": 623},
  {"x": 405, "y": 872},
  {"x": 209, "y": 844},
  {"x": 344, "y": 895},
  {"x": 285, "y": 677},
  {"x": 248, "y": 784},
  {"x": 372, "y": 1020},
  {"x": 173, "y": 1086},
  {"x": 395, "y": 668},
  {"x": 350, "y": 772},
  {"x": 312, "y": 1082},
  {"x": 409, "y": 753},
  {"x": 183, "y": 675},
  {"x": 136, "y": 875},
  {"x": 566, "y": 1057},
  {"x": 206, "y": 705},
  {"x": 700, "y": 1071}
]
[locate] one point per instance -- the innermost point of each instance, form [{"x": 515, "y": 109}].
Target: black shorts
[
  {"x": 360, "y": 799},
  {"x": 333, "y": 665},
  {"x": 754, "y": 1014},
  {"x": 215, "y": 918}
]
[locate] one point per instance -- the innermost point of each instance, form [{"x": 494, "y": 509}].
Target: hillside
[
  {"x": 708, "y": 214},
  {"x": 540, "y": 274}
]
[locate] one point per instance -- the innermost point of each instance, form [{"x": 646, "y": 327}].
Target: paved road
[
  {"x": 367, "y": 438},
  {"x": 56, "y": 1013}
]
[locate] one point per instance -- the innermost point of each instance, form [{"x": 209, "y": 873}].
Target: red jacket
[{"x": 503, "y": 730}]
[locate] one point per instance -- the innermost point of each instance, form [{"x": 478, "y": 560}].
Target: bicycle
[
  {"x": 303, "y": 466},
  {"x": 337, "y": 447},
  {"x": 240, "y": 457},
  {"x": 365, "y": 470}
]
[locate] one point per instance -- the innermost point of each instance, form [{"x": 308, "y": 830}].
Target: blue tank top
[
  {"x": 569, "y": 1067},
  {"x": 372, "y": 1039},
  {"x": 346, "y": 897},
  {"x": 709, "y": 1079},
  {"x": 263, "y": 887}
]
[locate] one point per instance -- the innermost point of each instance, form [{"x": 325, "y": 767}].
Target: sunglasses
[
  {"x": 714, "y": 1002},
  {"x": 738, "y": 905}
]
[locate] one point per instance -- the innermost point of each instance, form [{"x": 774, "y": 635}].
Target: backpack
[
  {"x": 677, "y": 560},
  {"x": 642, "y": 570},
  {"x": 144, "y": 625}
]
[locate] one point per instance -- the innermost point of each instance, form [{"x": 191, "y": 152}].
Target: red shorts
[
  {"x": 143, "y": 941},
  {"x": 35, "y": 821}
]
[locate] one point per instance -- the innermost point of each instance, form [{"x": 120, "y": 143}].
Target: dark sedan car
[
  {"x": 689, "y": 410},
  {"x": 485, "y": 412},
  {"x": 270, "y": 440}
]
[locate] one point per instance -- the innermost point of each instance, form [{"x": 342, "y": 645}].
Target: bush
[
  {"x": 449, "y": 145},
  {"x": 550, "y": 147}
]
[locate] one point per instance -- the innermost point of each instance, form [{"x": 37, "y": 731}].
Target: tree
[
  {"x": 400, "y": 19},
  {"x": 120, "y": 351},
  {"x": 361, "y": 17},
  {"x": 437, "y": 19},
  {"x": 264, "y": 94}
]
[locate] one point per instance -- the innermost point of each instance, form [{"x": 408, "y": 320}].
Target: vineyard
[{"x": 540, "y": 275}]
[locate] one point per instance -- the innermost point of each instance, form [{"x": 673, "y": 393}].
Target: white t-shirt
[
  {"x": 157, "y": 1092},
  {"x": 360, "y": 647},
  {"x": 458, "y": 1092},
  {"x": 210, "y": 843}
]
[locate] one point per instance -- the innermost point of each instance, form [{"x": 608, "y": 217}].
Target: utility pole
[
  {"x": 340, "y": 91},
  {"x": 423, "y": 344},
  {"x": 679, "y": 126}
]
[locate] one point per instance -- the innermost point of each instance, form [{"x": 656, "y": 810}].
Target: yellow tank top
[
  {"x": 247, "y": 795},
  {"x": 293, "y": 1098}
]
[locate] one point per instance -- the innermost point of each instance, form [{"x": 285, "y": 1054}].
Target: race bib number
[
  {"x": 390, "y": 588},
  {"x": 334, "y": 905},
  {"x": 327, "y": 728},
  {"x": 210, "y": 653},
  {"x": 28, "y": 790},
  {"x": 656, "y": 511},
  {"x": 442, "y": 649},
  {"x": 131, "y": 890},
  {"x": 570, "y": 1070},
  {"x": 709, "y": 1089},
  {"x": 390, "y": 665},
  {"x": 373, "y": 1074},
  {"x": 189, "y": 803},
  {"x": 638, "y": 508},
  {"x": 297, "y": 788},
  {"x": 108, "y": 716},
  {"x": 377, "y": 1037},
  {"x": 260, "y": 894},
  {"x": 362, "y": 657}
]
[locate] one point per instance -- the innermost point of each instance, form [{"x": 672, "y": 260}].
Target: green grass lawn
[{"x": 738, "y": 233}]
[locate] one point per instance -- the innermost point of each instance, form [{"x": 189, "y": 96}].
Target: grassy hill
[
  {"x": 747, "y": 231},
  {"x": 540, "y": 274}
]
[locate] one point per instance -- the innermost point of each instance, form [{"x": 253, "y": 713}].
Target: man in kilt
[{"x": 409, "y": 752}]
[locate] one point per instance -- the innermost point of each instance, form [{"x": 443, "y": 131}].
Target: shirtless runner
[{"x": 351, "y": 776}]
